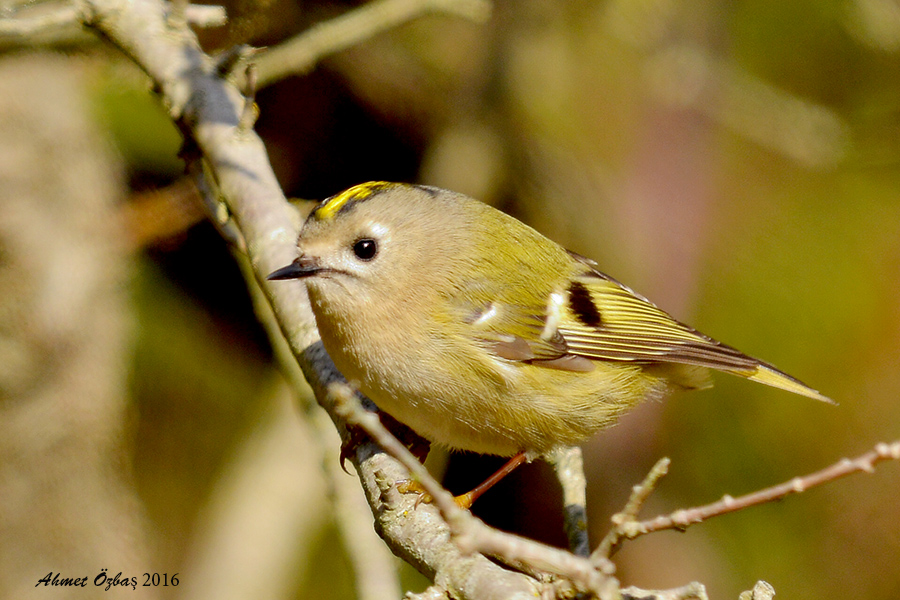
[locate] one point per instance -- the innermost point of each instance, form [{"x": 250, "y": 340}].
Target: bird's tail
[{"x": 769, "y": 375}]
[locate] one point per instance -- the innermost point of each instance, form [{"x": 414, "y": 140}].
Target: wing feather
[
  {"x": 633, "y": 329},
  {"x": 593, "y": 317}
]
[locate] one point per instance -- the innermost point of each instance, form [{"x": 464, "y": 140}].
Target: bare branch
[
  {"x": 299, "y": 54},
  {"x": 639, "y": 494},
  {"x": 630, "y": 528}
]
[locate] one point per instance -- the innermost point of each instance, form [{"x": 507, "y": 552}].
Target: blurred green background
[{"x": 736, "y": 162}]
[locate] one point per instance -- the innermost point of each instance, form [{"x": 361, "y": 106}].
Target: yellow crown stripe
[{"x": 332, "y": 206}]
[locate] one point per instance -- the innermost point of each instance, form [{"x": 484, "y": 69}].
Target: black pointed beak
[{"x": 304, "y": 266}]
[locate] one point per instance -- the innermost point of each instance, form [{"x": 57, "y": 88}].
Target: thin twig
[
  {"x": 639, "y": 495},
  {"x": 682, "y": 519},
  {"x": 300, "y": 54}
]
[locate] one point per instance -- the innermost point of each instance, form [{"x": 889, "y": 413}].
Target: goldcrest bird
[{"x": 481, "y": 334}]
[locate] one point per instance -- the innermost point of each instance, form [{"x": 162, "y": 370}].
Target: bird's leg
[{"x": 466, "y": 500}]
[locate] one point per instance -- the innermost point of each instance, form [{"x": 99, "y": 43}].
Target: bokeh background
[{"x": 736, "y": 162}]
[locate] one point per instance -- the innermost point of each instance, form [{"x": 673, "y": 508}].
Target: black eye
[{"x": 365, "y": 249}]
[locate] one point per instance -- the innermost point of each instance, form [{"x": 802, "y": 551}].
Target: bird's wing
[
  {"x": 596, "y": 318},
  {"x": 609, "y": 321},
  {"x": 515, "y": 329}
]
